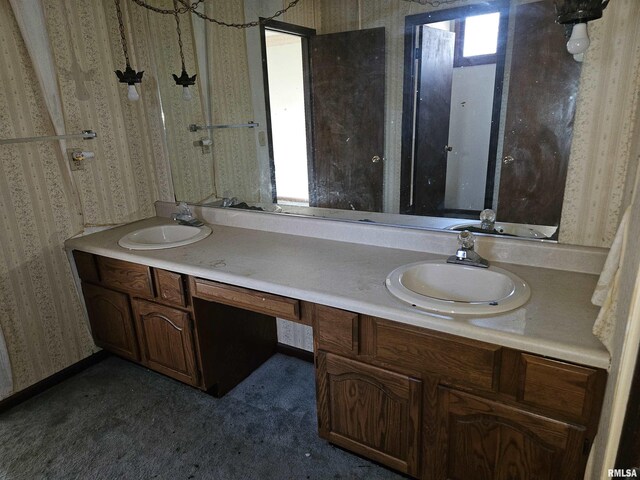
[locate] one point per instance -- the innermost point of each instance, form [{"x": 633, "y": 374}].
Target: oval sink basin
[
  {"x": 443, "y": 287},
  {"x": 163, "y": 236}
]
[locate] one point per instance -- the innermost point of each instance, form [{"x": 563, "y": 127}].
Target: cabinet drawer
[
  {"x": 274, "y": 305},
  {"x": 336, "y": 330},
  {"x": 558, "y": 386},
  {"x": 456, "y": 360},
  {"x": 121, "y": 275},
  {"x": 170, "y": 287}
]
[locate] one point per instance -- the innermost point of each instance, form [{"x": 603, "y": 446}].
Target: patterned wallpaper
[
  {"x": 601, "y": 149},
  {"x": 130, "y": 170},
  {"x": 192, "y": 168},
  {"x": 234, "y": 150},
  {"x": 40, "y": 313}
]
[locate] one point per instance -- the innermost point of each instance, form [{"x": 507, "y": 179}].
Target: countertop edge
[{"x": 403, "y": 314}]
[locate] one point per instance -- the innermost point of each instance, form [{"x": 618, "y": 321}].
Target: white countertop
[{"x": 555, "y": 322}]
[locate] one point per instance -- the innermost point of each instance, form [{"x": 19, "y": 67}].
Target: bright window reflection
[{"x": 481, "y": 35}]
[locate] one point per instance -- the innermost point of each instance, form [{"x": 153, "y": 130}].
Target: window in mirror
[{"x": 481, "y": 35}]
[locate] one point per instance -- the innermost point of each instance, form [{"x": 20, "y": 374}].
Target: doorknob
[
  {"x": 507, "y": 160},
  {"x": 375, "y": 159},
  {"x": 447, "y": 148}
]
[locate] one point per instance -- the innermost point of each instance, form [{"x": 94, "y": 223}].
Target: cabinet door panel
[
  {"x": 485, "y": 440},
  {"x": 166, "y": 340},
  {"x": 111, "y": 320},
  {"x": 369, "y": 410}
]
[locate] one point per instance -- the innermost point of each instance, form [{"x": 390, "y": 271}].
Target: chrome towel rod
[
  {"x": 194, "y": 128},
  {"x": 85, "y": 135}
]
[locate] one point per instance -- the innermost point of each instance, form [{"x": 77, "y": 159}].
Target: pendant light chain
[
  {"x": 192, "y": 7},
  {"x": 123, "y": 39},
  {"x": 184, "y": 80},
  {"x": 177, "y": 17},
  {"x": 433, "y": 3}
]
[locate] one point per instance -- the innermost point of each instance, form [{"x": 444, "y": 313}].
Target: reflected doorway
[
  {"x": 453, "y": 67},
  {"x": 285, "y": 58},
  {"x": 322, "y": 75}
]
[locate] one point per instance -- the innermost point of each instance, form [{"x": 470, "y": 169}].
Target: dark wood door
[
  {"x": 432, "y": 121},
  {"x": 111, "y": 321},
  {"x": 371, "y": 411},
  {"x": 348, "y": 92},
  {"x": 485, "y": 440},
  {"x": 166, "y": 340},
  {"x": 539, "y": 120}
]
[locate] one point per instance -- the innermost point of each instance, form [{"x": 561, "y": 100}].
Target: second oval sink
[{"x": 449, "y": 288}]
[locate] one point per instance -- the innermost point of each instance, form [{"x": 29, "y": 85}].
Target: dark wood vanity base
[{"x": 430, "y": 405}]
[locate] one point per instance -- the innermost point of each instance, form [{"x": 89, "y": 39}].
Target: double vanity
[{"x": 510, "y": 388}]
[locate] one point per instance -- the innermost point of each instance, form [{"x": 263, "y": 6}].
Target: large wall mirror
[{"x": 414, "y": 116}]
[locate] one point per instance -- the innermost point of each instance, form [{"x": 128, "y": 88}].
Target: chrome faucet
[
  {"x": 185, "y": 217},
  {"x": 465, "y": 255}
]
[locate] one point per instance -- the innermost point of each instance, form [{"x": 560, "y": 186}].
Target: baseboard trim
[
  {"x": 296, "y": 352},
  {"x": 37, "y": 388}
]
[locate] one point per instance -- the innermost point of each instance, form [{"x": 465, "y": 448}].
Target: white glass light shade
[
  {"x": 186, "y": 93},
  {"x": 132, "y": 93},
  {"x": 579, "y": 41}
]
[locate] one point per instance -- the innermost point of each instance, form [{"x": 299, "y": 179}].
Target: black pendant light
[
  {"x": 129, "y": 76},
  {"x": 184, "y": 79}
]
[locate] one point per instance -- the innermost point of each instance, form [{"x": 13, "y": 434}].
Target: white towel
[{"x": 606, "y": 292}]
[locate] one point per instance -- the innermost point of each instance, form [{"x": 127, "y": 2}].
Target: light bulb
[
  {"x": 186, "y": 93},
  {"x": 579, "y": 41},
  {"x": 132, "y": 93}
]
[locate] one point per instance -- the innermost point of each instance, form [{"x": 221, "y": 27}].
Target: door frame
[
  {"x": 412, "y": 59},
  {"x": 304, "y": 33}
]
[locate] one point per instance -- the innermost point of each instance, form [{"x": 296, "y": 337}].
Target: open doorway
[{"x": 285, "y": 56}]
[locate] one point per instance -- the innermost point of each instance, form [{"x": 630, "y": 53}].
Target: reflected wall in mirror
[
  {"x": 475, "y": 137},
  {"x": 518, "y": 153}
]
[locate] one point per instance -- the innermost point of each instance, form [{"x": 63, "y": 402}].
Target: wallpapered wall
[
  {"x": 193, "y": 177},
  {"x": 40, "y": 313}
]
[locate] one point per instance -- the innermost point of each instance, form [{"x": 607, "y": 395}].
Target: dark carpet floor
[{"x": 120, "y": 420}]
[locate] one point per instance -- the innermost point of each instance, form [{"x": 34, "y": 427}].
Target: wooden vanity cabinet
[
  {"x": 432, "y": 405},
  {"x": 453, "y": 408},
  {"x": 140, "y": 313}
]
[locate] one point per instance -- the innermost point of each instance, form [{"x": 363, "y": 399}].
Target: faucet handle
[
  {"x": 183, "y": 208},
  {"x": 466, "y": 239},
  {"x": 487, "y": 219}
]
